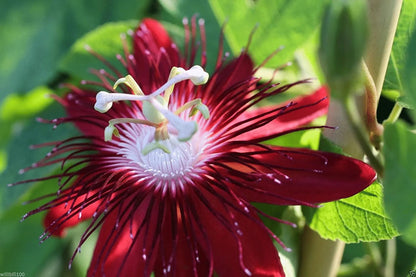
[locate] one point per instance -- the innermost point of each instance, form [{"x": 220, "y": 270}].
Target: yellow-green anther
[
  {"x": 203, "y": 109},
  {"x": 173, "y": 72},
  {"x": 155, "y": 108},
  {"x": 195, "y": 105},
  {"x": 109, "y": 131},
  {"x": 131, "y": 83},
  {"x": 153, "y": 146}
]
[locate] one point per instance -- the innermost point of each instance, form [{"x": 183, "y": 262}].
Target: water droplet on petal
[{"x": 248, "y": 272}]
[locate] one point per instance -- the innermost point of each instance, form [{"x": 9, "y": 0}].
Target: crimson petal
[
  {"x": 258, "y": 254},
  {"x": 313, "y": 106},
  {"x": 290, "y": 176},
  {"x": 123, "y": 245}
]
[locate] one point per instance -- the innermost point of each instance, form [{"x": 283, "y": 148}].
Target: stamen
[
  {"x": 196, "y": 105},
  {"x": 131, "y": 83},
  {"x": 155, "y": 107},
  {"x": 111, "y": 130}
]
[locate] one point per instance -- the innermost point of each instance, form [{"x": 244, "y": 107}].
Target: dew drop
[
  {"x": 248, "y": 272},
  {"x": 239, "y": 232},
  {"x": 79, "y": 215},
  {"x": 277, "y": 181},
  {"x": 79, "y": 249},
  {"x": 144, "y": 257}
]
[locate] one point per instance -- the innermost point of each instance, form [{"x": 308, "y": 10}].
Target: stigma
[{"x": 166, "y": 123}]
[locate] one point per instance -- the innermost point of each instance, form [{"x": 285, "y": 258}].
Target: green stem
[
  {"x": 373, "y": 249},
  {"x": 390, "y": 258},
  {"x": 360, "y": 132},
  {"x": 394, "y": 114}
]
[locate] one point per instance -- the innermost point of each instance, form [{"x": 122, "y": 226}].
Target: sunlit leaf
[
  {"x": 354, "y": 219},
  {"x": 280, "y": 23},
  {"x": 106, "y": 41}
]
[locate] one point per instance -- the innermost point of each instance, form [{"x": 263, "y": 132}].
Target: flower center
[
  {"x": 155, "y": 109},
  {"x": 168, "y": 166}
]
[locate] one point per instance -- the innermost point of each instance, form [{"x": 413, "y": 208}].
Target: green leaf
[
  {"x": 106, "y": 41},
  {"x": 407, "y": 19},
  {"x": 36, "y": 33},
  {"x": 28, "y": 132},
  {"x": 400, "y": 178},
  {"x": 176, "y": 10},
  {"x": 21, "y": 251},
  {"x": 409, "y": 81},
  {"x": 280, "y": 23},
  {"x": 17, "y": 108},
  {"x": 354, "y": 219}
]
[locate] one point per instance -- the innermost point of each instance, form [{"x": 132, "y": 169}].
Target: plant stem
[
  {"x": 354, "y": 118},
  {"x": 375, "y": 129},
  {"x": 383, "y": 17},
  {"x": 394, "y": 114},
  {"x": 319, "y": 257},
  {"x": 390, "y": 258}
]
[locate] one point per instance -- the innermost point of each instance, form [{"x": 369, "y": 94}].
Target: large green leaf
[
  {"x": 393, "y": 80},
  {"x": 28, "y": 132},
  {"x": 354, "y": 219},
  {"x": 400, "y": 178},
  {"x": 36, "y": 33},
  {"x": 280, "y": 23},
  {"x": 105, "y": 40},
  {"x": 177, "y": 10},
  {"x": 20, "y": 247},
  {"x": 409, "y": 80}
]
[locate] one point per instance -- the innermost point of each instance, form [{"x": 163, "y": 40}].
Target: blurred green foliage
[{"x": 43, "y": 45}]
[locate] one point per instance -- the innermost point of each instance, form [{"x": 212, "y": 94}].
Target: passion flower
[{"x": 168, "y": 166}]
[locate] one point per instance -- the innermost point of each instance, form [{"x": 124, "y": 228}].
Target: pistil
[{"x": 155, "y": 107}]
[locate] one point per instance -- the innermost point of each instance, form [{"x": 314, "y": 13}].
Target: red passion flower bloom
[{"x": 170, "y": 160}]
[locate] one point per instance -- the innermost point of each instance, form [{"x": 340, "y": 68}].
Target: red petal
[
  {"x": 260, "y": 256},
  {"x": 314, "y": 106},
  {"x": 111, "y": 250},
  {"x": 80, "y": 106},
  {"x": 222, "y": 85},
  {"x": 55, "y": 213},
  {"x": 183, "y": 258},
  {"x": 159, "y": 33},
  {"x": 312, "y": 177},
  {"x": 154, "y": 55}
]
